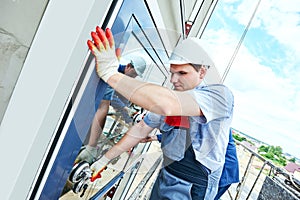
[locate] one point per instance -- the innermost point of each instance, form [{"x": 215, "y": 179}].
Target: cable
[{"x": 239, "y": 44}]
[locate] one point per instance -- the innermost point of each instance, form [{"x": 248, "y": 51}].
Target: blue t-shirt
[
  {"x": 208, "y": 133},
  {"x": 230, "y": 173}
]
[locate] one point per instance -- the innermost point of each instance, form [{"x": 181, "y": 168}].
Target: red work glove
[{"x": 103, "y": 48}]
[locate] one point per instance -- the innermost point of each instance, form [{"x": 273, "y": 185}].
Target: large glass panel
[{"x": 134, "y": 42}]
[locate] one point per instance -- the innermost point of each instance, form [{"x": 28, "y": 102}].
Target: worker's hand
[
  {"x": 98, "y": 167},
  {"x": 89, "y": 154},
  {"x": 103, "y": 48},
  {"x": 149, "y": 139}
]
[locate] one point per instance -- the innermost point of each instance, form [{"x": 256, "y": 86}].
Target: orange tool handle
[{"x": 98, "y": 174}]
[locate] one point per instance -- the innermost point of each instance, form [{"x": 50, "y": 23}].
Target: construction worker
[{"x": 194, "y": 118}]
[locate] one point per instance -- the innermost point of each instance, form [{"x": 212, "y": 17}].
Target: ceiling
[{"x": 186, "y": 16}]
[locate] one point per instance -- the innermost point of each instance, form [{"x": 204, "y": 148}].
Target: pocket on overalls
[
  {"x": 172, "y": 187},
  {"x": 173, "y": 142}
]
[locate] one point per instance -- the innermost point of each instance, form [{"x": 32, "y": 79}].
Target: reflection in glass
[{"x": 114, "y": 116}]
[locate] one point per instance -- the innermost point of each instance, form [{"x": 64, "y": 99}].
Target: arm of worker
[
  {"x": 155, "y": 98},
  {"x": 152, "y": 97},
  {"x": 132, "y": 137}
]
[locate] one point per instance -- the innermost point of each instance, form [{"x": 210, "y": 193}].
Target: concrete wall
[
  {"x": 275, "y": 191},
  {"x": 19, "y": 20}
]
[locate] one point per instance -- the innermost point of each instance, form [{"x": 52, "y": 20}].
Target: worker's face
[
  {"x": 130, "y": 71},
  {"x": 185, "y": 77}
]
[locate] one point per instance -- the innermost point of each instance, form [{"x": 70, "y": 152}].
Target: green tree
[
  {"x": 292, "y": 160},
  {"x": 272, "y": 153},
  {"x": 277, "y": 151},
  {"x": 269, "y": 155},
  {"x": 263, "y": 148},
  {"x": 238, "y": 137}
]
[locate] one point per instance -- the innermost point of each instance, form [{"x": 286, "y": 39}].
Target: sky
[{"x": 265, "y": 74}]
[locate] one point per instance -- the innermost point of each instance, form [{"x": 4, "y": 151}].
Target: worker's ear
[
  {"x": 202, "y": 72},
  {"x": 128, "y": 66}
]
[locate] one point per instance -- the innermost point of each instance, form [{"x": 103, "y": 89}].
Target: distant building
[{"x": 292, "y": 167}]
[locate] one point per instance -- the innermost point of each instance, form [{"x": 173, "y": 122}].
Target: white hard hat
[
  {"x": 191, "y": 51},
  {"x": 138, "y": 63}
]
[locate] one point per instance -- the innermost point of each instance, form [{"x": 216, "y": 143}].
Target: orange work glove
[{"x": 103, "y": 48}]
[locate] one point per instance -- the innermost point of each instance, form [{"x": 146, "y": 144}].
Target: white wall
[{"x": 52, "y": 66}]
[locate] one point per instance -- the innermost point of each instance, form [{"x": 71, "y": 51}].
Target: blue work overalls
[{"x": 169, "y": 186}]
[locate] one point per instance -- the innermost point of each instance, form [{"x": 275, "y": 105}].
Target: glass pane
[{"x": 121, "y": 114}]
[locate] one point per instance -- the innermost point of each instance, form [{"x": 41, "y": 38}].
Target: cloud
[{"x": 265, "y": 74}]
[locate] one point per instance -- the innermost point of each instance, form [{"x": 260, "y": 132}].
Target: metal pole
[
  {"x": 262, "y": 168},
  {"x": 242, "y": 183},
  {"x": 182, "y": 14}
]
